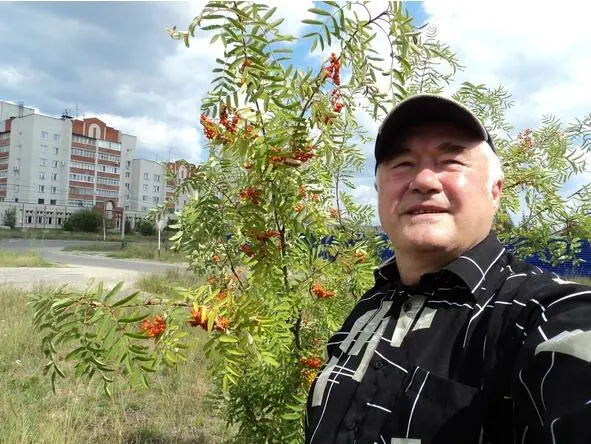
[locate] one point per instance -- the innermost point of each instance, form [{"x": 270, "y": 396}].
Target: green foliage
[
  {"x": 128, "y": 229},
  {"x": 146, "y": 228},
  {"x": 285, "y": 250},
  {"x": 9, "y": 218},
  {"x": 86, "y": 220}
]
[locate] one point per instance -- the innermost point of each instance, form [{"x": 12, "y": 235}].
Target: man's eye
[
  {"x": 452, "y": 162},
  {"x": 402, "y": 164}
]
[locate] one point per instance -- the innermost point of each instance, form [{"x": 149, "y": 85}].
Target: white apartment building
[
  {"x": 148, "y": 185},
  {"x": 34, "y": 159}
]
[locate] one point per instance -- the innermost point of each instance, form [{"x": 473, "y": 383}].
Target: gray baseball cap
[{"x": 424, "y": 108}]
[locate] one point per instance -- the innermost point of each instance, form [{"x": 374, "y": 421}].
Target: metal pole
[
  {"x": 122, "y": 227},
  {"x": 158, "y": 243}
]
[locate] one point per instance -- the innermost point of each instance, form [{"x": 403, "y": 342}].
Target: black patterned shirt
[{"x": 487, "y": 350}]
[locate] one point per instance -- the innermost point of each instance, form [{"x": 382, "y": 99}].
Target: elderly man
[{"x": 458, "y": 341}]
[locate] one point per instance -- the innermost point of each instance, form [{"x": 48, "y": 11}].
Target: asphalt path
[{"x": 51, "y": 251}]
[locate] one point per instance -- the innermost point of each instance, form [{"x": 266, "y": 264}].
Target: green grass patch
[
  {"x": 171, "y": 411},
  {"x": 38, "y": 233},
  {"x": 22, "y": 259},
  {"x": 582, "y": 280},
  {"x": 164, "y": 283},
  {"x": 133, "y": 250}
]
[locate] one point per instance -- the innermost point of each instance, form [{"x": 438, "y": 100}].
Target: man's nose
[{"x": 426, "y": 181}]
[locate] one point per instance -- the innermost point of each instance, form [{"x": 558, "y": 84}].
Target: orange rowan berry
[{"x": 153, "y": 328}]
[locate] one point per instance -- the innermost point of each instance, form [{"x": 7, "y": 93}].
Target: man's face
[{"x": 434, "y": 195}]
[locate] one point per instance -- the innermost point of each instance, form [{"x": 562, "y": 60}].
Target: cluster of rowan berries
[
  {"x": 304, "y": 154},
  {"x": 246, "y": 249},
  {"x": 251, "y": 193},
  {"x": 275, "y": 158},
  {"x": 245, "y": 63},
  {"x": 334, "y": 213},
  {"x": 525, "y": 139},
  {"x": 335, "y": 101},
  {"x": 153, "y": 328},
  {"x": 230, "y": 125},
  {"x": 313, "y": 362},
  {"x": 209, "y": 128},
  {"x": 215, "y": 258},
  {"x": 299, "y": 207},
  {"x": 266, "y": 235},
  {"x": 200, "y": 319},
  {"x": 321, "y": 292},
  {"x": 333, "y": 70}
]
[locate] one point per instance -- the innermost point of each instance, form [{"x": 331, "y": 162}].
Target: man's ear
[{"x": 496, "y": 192}]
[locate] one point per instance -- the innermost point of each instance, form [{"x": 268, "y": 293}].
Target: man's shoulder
[{"x": 527, "y": 282}]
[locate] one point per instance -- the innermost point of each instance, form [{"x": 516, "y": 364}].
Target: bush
[
  {"x": 128, "y": 228},
  {"x": 84, "y": 220},
  {"x": 146, "y": 228},
  {"x": 10, "y": 218}
]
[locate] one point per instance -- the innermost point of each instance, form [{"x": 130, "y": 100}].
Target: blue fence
[
  {"x": 568, "y": 268},
  {"x": 564, "y": 269}
]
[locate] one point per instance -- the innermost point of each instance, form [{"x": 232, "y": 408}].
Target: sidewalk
[{"x": 79, "y": 277}]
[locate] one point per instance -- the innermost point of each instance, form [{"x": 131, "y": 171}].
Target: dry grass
[
  {"x": 133, "y": 250},
  {"x": 172, "y": 411},
  {"x": 164, "y": 283},
  {"x": 22, "y": 259}
]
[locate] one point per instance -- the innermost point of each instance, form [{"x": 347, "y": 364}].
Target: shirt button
[
  {"x": 407, "y": 306},
  {"x": 352, "y": 424},
  {"x": 378, "y": 364}
]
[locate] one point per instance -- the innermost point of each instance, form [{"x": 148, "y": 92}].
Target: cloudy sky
[{"x": 115, "y": 60}]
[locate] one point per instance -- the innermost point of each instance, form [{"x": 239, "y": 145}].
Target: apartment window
[
  {"x": 43, "y": 148},
  {"x": 43, "y": 162},
  {"x": 40, "y": 201},
  {"x": 44, "y": 135},
  {"x": 129, "y": 164},
  {"x": 156, "y": 177},
  {"x": 52, "y": 202},
  {"x": 146, "y": 176},
  {"x": 54, "y": 163},
  {"x": 42, "y": 188},
  {"x": 56, "y": 138},
  {"x": 127, "y": 174},
  {"x": 53, "y": 190},
  {"x": 155, "y": 199},
  {"x": 144, "y": 209},
  {"x": 144, "y": 198},
  {"x": 156, "y": 189},
  {"x": 42, "y": 175},
  {"x": 127, "y": 186},
  {"x": 145, "y": 187},
  {"x": 56, "y": 150},
  {"x": 53, "y": 176}
]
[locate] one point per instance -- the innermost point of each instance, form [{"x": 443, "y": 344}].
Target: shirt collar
[{"x": 471, "y": 267}]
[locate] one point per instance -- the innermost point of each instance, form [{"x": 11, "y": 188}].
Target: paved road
[
  {"x": 79, "y": 270},
  {"x": 50, "y": 250}
]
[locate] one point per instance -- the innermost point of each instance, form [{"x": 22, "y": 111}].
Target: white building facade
[{"x": 148, "y": 185}]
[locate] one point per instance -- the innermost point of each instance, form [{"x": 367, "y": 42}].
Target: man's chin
[{"x": 434, "y": 240}]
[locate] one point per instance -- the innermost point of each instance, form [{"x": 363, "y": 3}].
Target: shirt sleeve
[{"x": 551, "y": 380}]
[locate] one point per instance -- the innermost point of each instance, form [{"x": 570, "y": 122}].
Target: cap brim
[{"x": 424, "y": 108}]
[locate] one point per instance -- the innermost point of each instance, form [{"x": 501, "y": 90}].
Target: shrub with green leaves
[
  {"x": 272, "y": 226},
  {"x": 86, "y": 220}
]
